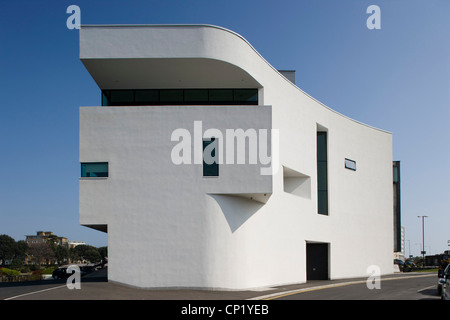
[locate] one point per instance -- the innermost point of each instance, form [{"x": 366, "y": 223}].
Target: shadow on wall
[{"x": 236, "y": 209}]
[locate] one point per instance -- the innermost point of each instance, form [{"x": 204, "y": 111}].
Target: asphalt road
[
  {"x": 417, "y": 287},
  {"x": 403, "y": 286}
]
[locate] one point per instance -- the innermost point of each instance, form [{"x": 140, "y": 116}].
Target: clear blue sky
[{"x": 396, "y": 78}]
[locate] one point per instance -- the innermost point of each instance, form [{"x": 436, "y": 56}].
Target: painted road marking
[{"x": 33, "y": 292}]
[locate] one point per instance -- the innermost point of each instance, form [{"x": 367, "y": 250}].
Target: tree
[
  {"x": 61, "y": 253},
  {"x": 92, "y": 255},
  {"x": 21, "y": 250},
  {"x": 41, "y": 252},
  {"x": 103, "y": 252},
  {"x": 86, "y": 253},
  {"x": 7, "y": 248}
]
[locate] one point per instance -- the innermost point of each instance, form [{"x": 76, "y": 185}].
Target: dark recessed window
[
  {"x": 322, "y": 173},
  {"x": 146, "y": 96},
  {"x": 121, "y": 96},
  {"x": 94, "y": 169},
  {"x": 152, "y": 97},
  {"x": 221, "y": 95},
  {"x": 172, "y": 96},
  {"x": 210, "y": 158},
  {"x": 247, "y": 95},
  {"x": 196, "y": 96}
]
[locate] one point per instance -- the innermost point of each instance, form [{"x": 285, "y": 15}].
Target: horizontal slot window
[
  {"x": 221, "y": 95},
  {"x": 94, "y": 169},
  {"x": 179, "y": 97}
]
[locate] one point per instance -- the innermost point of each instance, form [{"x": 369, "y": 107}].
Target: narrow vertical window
[
  {"x": 210, "y": 158},
  {"x": 322, "y": 174},
  {"x": 397, "y": 208}
]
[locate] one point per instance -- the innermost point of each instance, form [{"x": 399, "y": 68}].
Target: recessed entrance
[{"x": 317, "y": 261}]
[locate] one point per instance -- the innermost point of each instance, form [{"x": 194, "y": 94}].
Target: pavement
[{"x": 95, "y": 286}]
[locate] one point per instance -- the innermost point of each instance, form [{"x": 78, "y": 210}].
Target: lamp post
[{"x": 423, "y": 238}]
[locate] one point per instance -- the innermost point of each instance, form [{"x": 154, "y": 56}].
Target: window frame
[{"x": 84, "y": 172}]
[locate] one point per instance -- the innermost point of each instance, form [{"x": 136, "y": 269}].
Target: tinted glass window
[
  {"x": 221, "y": 95},
  {"x": 94, "y": 169},
  {"x": 210, "y": 156},
  {"x": 196, "y": 95},
  {"x": 246, "y": 95},
  {"x": 146, "y": 96},
  {"x": 322, "y": 173},
  {"x": 121, "y": 96},
  {"x": 171, "y": 95}
]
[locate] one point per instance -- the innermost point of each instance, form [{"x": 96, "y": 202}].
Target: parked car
[
  {"x": 400, "y": 263},
  {"x": 61, "y": 273},
  {"x": 440, "y": 285},
  {"x": 409, "y": 265},
  {"x": 445, "y": 292}
]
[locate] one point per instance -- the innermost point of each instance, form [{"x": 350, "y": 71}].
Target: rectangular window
[
  {"x": 121, "y": 97},
  {"x": 210, "y": 158},
  {"x": 105, "y": 98},
  {"x": 154, "y": 97},
  {"x": 350, "y": 164},
  {"x": 94, "y": 169},
  {"x": 196, "y": 96},
  {"x": 221, "y": 95},
  {"x": 146, "y": 97},
  {"x": 245, "y": 95},
  {"x": 171, "y": 96},
  {"x": 322, "y": 173}
]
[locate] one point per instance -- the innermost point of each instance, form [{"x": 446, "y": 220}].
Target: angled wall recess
[{"x": 296, "y": 183}]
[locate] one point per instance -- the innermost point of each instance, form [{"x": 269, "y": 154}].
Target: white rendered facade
[{"x": 168, "y": 225}]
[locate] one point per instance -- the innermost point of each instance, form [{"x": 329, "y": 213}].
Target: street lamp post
[{"x": 423, "y": 238}]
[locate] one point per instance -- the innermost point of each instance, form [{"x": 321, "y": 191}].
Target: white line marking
[
  {"x": 430, "y": 287},
  {"x": 39, "y": 291}
]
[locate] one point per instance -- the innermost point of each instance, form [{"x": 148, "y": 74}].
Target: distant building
[
  {"x": 45, "y": 237},
  {"x": 73, "y": 244}
]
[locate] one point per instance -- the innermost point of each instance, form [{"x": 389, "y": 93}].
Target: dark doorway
[{"x": 317, "y": 261}]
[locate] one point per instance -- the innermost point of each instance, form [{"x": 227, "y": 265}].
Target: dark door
[{"x": 317, "y": 261}]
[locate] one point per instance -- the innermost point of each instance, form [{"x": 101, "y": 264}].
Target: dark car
[
  {"x": 409, "y": 265},
  {"x": 445, "y": 293},
  {"x": 61, "y": 273}
]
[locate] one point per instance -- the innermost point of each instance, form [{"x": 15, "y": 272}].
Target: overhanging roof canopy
[{"x": 145, "y": 57}]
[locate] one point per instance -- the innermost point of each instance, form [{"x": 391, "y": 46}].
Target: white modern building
[{"x": 296, "y": 190}]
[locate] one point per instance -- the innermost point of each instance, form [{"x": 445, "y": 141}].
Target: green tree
[
  {"x": 61, "y": 253},
  {"x": 21, "y": 250},
  {"x": 92, "y": 255},
  {"x": 7, "y": 248},
  {"x": 86, "y": 253},
  {"x": 103, "y": 252}
]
